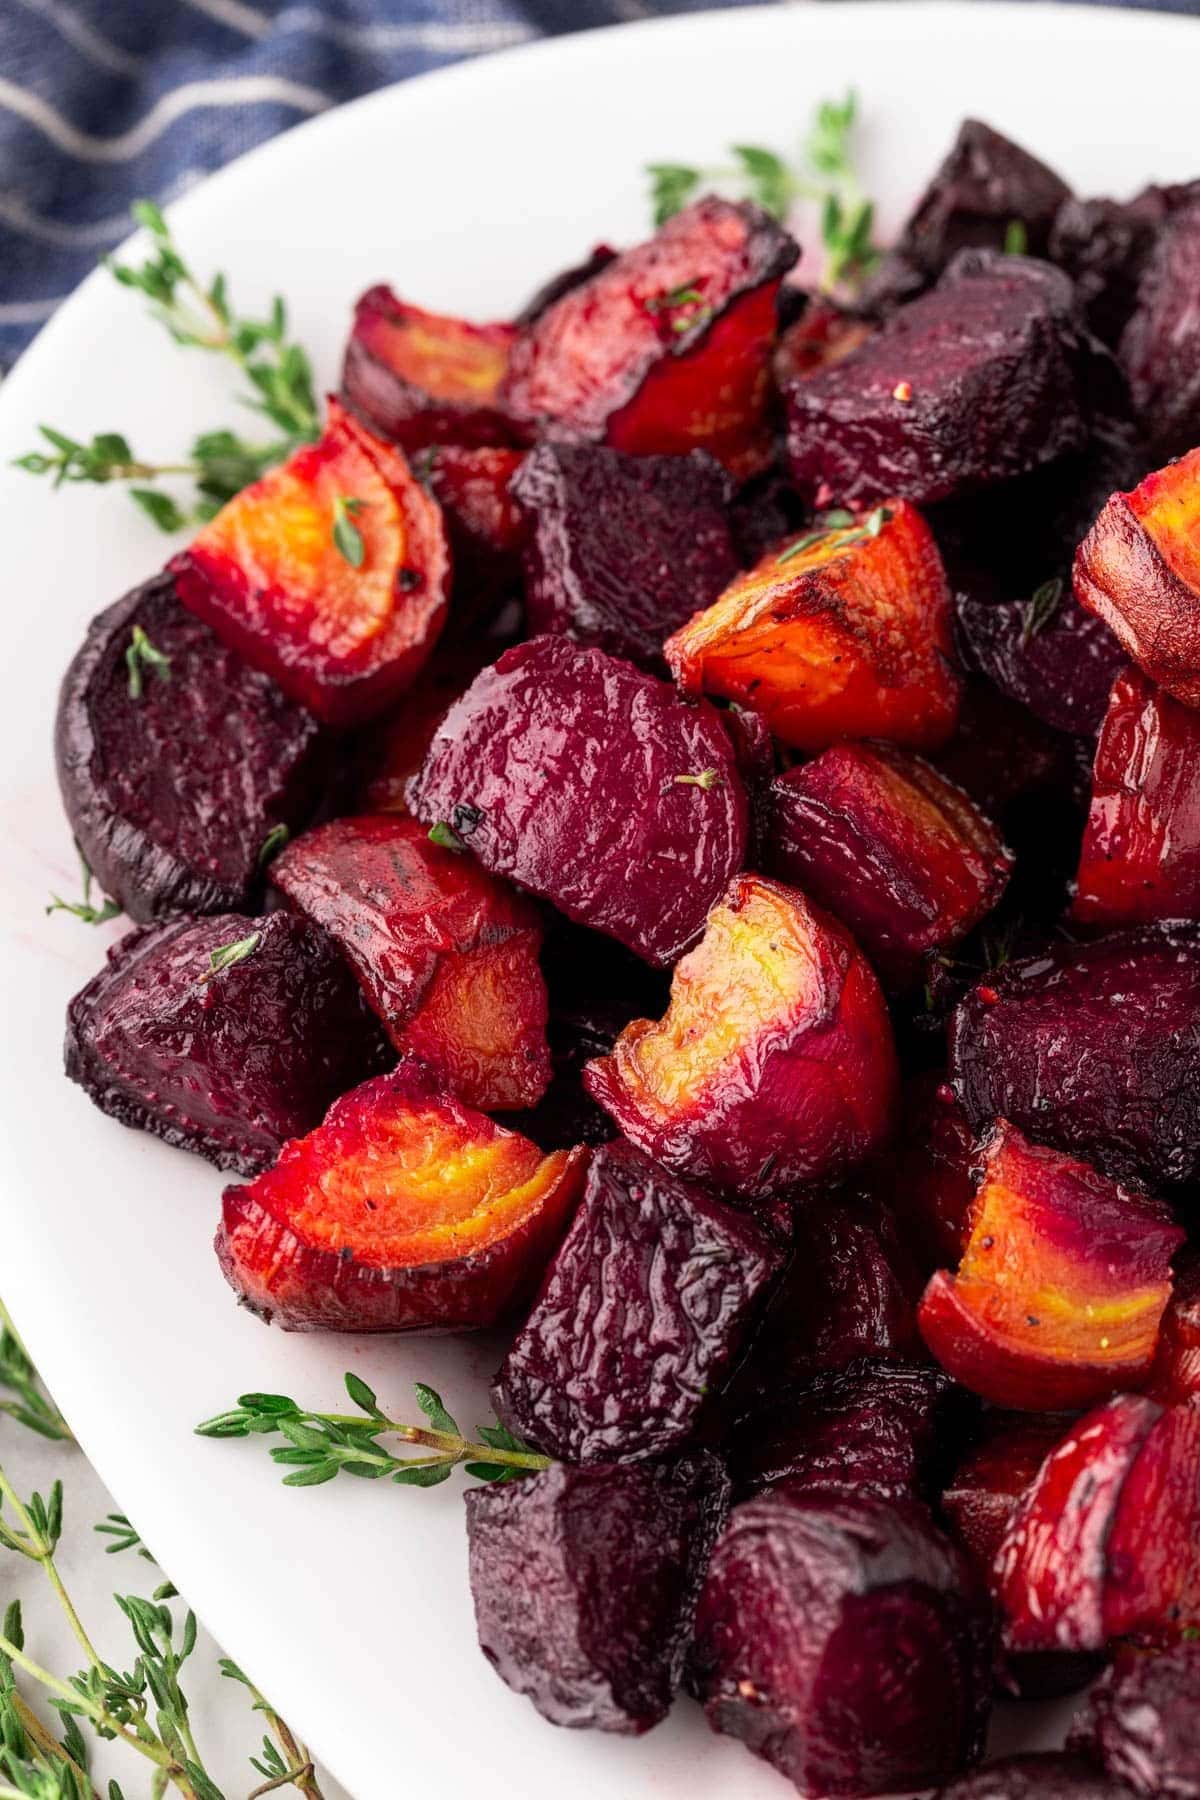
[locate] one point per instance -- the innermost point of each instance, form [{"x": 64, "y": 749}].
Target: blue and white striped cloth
[{"x": 102, "y": 101}]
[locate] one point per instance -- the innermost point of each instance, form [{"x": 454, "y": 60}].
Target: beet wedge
[
  {"x": 423, "y": 378},
  {"x": 404, "y": 1211},
  {"x": 331, "y": 574}
]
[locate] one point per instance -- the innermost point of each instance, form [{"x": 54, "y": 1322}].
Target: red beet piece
[
  {"x": 889, "y": 846},
  {"x": 483, "y": 522},
  {"x": 1104, "y": 1544},
  {"x": 1175, "y": 1379},
  {"x": 1141, "y": 850},
  {"x": 1104, "y": 246},
  {"x": 1046, "y": 652},
  {"x": 404, "y": 1211},
  {"x": 774, "y": 1062},
  {"x": 228, "y": 1061},
  {"x": 559, "y": 768},
  {"x": 875, "y": 1427},
  {"x": 988, "y": 1484},
  {"x": 563, "y": 283},
  {"x": 1093, "y": 1048},
  {"x": 420, "y": 378},
  {"x": 1036, "y": 1778},
  {"x": 926, "y": 1173},
  {"x": 585, "y": 1584},
  {"x": 445, "y": 954},
  {"x": 635, "y": 356},
  {"x": 973, "y": 383},
  {"x": 986, "y": 192},
  {"x": 172, "y": 794},
  {"x": 622, "y": 549},
  {"x": 1142, "y": 1723},
  {"x": 1160, "y": 346},
  {"x": 822, "y": 335},
  {"x": 814, "y": 1607},
  {"x": 1002, "y": 756},
  {"x": 640, "y": 1319}
]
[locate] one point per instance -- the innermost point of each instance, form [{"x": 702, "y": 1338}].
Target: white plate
[{"x": 465, "y": 189}]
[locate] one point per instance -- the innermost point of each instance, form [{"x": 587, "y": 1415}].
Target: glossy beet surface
[
  {"x": 341, "y": 605},
  {"x": 1035, "y": 1043},
  {"x": 482, "y": 520},
  {"x": 844, "y": 633},
  {"x": 1062, "y": 1284},
  {"x": 445, "y": 954},
  {"x": 1140, "y": 859},
  {"x": 421, "y": 378},
  {"x": 926, "y": 1172},
  {"x": 559, "y": 768},
  {"x": 989, "y": 364},
  {"x": 172, "y": 794},
  {"x": 622, "y": 549},
  {"x": 889, "y": 846},
  {"x": 641, "y": 1317},
  {"x": 404, "y": 1211},
  {"x": 875, "y": 1427},
  {"x": 774, "y": 1062},
  {"x": 1175, "y": 1378},
  {"x": 1052, "y": 656},
  {"x": 984, "y": 1490},
  {"x": 1142, "y": 1723},
  {"x": 1036, "y": 1778},
  {"x": 230, "y": 1061},
  {"x": 585, "y": 1584},
  {"x": 666, "y": 349},
  {"x": 817, "y": 1604},
  {"x": 1160, "y": 346}
]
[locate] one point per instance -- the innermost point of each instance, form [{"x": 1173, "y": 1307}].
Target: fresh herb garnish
[
  {"x": 140, "y": 655},
  {"x": 706, "y": 779},
  {"x": 825, "y": 176},
  {"x": 1041, "y": 608},
  {"x": 843, "y": 525},
  {"x": 697, "y": 313},
  {"x": 444, "y": 834},
  {"x": 226, "y": 956},
  {"x": 321, "y": 1445},
  {"x": 272, "y": 844},
  {"x": 83, "y": 909},
  {"x": 26, "y": 1401},
  {"x": 1016, "y": 238},
  {"x": 346, "y": 534}
]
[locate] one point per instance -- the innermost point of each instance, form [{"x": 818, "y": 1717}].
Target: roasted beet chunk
[
  {"x": 1104, "y": 1543},
  {"x": 1094, "y": 1048},
  {"x": 1160, "y": 346},
  {"x": 482, "y": 521},
  {"x": 844, "y": 633},
  {"x": 420, "y": 378},
  {"x": 622, "y": 549},
  {"x": 814, "y": 1606},
  {"x": 926, "y": 1173},
  {"x": 174, "y": 774},
  {"x": 1036, "y": 1778},
  {"x": 973, "y": 383},
  {"x": 667, "y": 348},
  {"x": 891, "y": 847},
  {"x": 1175, "y": 1379},
  {"x": 446, "y": 954},
  {"x": 988, "y": 194},
  {"x": 1062, "y": 1284},
  {"x": 596, "y": 787},
  {"x": 774, "y": 1063},
  {"x": 1139, "y": 570},
  {"x": 1143, "y": 1724},
  {"x": 1046, "y": 652},
  {"x": 1141, "y": 850},
  {"x": 874, "y": 1427},
  {"x": 330, "y": 574},
  {"x": 225, "y": 1035},
  {"x": 567, "y": 279},
  {"x": 404, "y": 1211},
  {"x": 984, "y": 1491},
  {"x": 640, "y": 1319},
  {"x": 1103, "y": 245},
  {"x": 585, "y": 1584}
]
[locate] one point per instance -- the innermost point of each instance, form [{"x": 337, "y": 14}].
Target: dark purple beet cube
[
  {"x": 174, "y": 777},
  {"x": 975, "y": 382},
  {"x": 595, "y": 786},
  {"x": 1160, "y": 346},
  {"x": 1142, "y": 1723},
  {"x": 585, "y": 1584},
  {"x": 1046, "y": 652},
  {"x": 1094, "y": 1049},
  {"x": 225, "y": 1035},
  {"x": 641, "y": 1316},
  {"x": 844, "y": 1640},
  {"x": 1104, "y": 245},
  {"x": 622, "y": 550}
]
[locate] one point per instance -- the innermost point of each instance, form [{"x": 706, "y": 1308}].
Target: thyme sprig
[
  {"x": 83, "y": 908},
  {"x": 839, "y": 524},
  {"x": 28, "y": 1403},
  {"x": 824, "y": 174},
  {"x": 220, "y": 463},
  {"x": 320, "y": 1445}
]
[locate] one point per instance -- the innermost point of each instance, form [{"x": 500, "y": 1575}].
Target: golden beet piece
[
  {"x": 404, "y": 1211},
  {"x": 844, "y": 633},
  {"x": 1058, "y": 1297},
  {"x": 1138, "y": 568},
  {"x": 424, "y": 378},
  {"x": 330, "y": 574},
  {"x": 774, "y": 1063}
]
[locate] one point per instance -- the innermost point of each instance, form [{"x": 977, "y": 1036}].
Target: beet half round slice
[
  {"x": 174, "y": 774},
  {"x": 225, "y": 1035}
]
